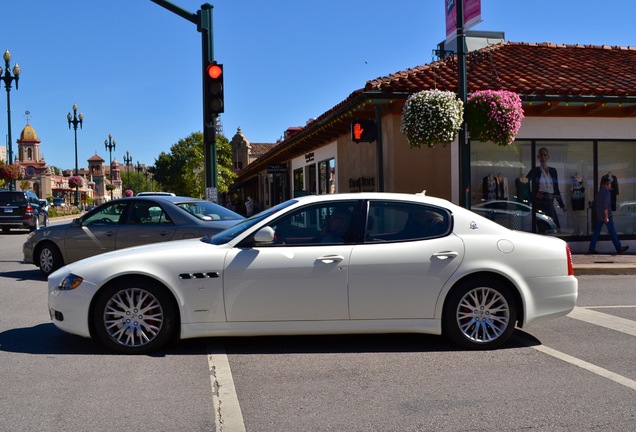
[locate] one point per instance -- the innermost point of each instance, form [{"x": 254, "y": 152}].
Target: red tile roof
[
  {"x": 539, "y": 72},
  {"x": 527, "y": 69}
]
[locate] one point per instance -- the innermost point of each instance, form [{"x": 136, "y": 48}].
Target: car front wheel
[
  {"x": 49, "y": 258},
  {"x": 480, "y": 314},
  {"x": 134, "y": 317}
]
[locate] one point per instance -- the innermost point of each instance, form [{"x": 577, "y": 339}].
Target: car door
[
  {"x": 298, "y": 278},
  {"x": 146, "y": 222},
  {"x": 400, "y": 269},
  {"x": 96, "y": 234}
]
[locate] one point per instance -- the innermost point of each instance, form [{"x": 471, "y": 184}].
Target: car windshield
[
  {"x": 227, "y": 235},
  {"x": 208, "y": 211}
]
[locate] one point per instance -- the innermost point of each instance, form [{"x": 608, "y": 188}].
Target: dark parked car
[
  {"x": 21, "y": 209},
  {"x": 126, "y": 222}
]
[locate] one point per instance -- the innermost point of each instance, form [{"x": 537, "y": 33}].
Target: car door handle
[
  {"x": 329, "y": 259},
  {"x": 445, "y": 255},
  {"x": 109, "y": 233},
  {"x": 164, "y": 233}
]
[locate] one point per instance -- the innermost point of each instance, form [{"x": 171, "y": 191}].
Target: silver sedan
[{"x": 124, "y": 223}]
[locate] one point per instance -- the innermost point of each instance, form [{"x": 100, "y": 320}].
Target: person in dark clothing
[
  {"x": 603, "y": 205},
  {"x": 545, "y": 187}
]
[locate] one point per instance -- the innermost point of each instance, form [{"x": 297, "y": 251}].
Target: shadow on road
[
  {"x": 33, "y": 274},
  {"x": 47, "y": 339}
]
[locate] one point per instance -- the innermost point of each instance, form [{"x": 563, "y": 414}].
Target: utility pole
[
  {"x": 203, "y": 21},
  {"x": 462, "y": 93}
]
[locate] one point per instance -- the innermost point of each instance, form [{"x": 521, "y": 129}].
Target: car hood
[{"x": 151, "y": 259}]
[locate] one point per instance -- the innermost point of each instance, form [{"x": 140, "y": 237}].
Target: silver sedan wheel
[
  {"x": 133, "y": 317},
  {"x": 480, "y": 313},
  {"x": 483, "y": 315}
]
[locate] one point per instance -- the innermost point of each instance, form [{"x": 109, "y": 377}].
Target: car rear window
[
  {"x": 207, "y": 211},
  {"x": 9, "y": 198}
]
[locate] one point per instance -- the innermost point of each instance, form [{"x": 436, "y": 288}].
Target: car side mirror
[
  {"x": 264, "y": 235},
  {"x": 77, "y": 222}
]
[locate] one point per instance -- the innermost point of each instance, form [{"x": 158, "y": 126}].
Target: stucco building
[{"x": 579, "y": 103}]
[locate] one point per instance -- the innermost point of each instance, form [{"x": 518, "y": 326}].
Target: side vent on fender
[{"x": 199, "y": 275}]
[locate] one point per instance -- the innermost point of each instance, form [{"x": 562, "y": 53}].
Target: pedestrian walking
[{"x": 603, "y": 204}]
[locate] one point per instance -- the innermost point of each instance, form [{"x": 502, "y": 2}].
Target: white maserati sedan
[{"x": 329, "y": 264}]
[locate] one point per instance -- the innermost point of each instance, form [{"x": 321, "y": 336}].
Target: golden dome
[{"x": 28, "y": 134}]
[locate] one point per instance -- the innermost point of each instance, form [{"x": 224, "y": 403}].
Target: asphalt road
[{"x": 575, "y": 373}]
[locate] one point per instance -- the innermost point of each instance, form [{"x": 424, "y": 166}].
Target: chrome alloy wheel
[
  {"x": 483, "y": 315},
  {"x": 133, "y": 317}
]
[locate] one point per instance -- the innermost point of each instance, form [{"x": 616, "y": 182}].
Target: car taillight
[
  {"x": 29, "y": 210},
  {"x": 568, "y": 252}
]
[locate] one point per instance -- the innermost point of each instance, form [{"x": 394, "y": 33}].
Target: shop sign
[
  {"x": 277, "y": 169},
  {"x": 362, "y": 184}
]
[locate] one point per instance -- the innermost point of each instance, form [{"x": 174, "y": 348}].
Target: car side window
[
  {"x": 142, "y": 212},
  {"x": 405, "y": 222},
  {"x": 108, "y": 215},
  {"x": 324, "y": 223}
]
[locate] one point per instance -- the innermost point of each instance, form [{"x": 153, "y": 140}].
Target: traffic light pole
[{"x": 203, "y": 20}]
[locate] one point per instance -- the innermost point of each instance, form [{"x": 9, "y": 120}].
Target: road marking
[
  {"x": 227, "y": 411},
  {"x": 587, "y": 366},
  {"x": 604, "y": 320}
]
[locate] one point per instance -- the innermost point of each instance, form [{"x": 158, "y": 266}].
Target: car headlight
[{"x": 70, "y": 282}]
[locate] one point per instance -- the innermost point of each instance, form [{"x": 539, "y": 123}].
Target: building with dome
[{"x": 46, "y": 183}]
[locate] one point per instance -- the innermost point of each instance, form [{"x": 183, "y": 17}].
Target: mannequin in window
[
  {"x": 578, "y": 192},
  {"x": 490, "y": 187},
  {"x": 614, "y": 191},
  {"x": 545, "y": 187},
  {"x": 523, "y": 189}
]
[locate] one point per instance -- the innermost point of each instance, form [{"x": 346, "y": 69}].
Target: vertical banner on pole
[{"x": 472, "y": 16}]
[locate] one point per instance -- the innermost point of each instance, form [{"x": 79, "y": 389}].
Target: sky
[{"x": 134, "y": 68}]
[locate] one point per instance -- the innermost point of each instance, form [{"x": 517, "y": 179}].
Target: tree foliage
[{"x": 182, "y": 171}]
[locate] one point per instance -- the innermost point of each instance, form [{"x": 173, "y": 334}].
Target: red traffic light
[{"x": 215, "y": 71}]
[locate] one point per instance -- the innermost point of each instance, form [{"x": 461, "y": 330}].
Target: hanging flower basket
[
  {"x": 75, "y": 181},
  {"x": 10, "y": 172},
  {"x": 494, "y": 116},
  {"x": 432, "y": 117}
]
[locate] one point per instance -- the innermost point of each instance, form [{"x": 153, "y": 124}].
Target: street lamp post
[
  {"x": 75, "y": 120},
  {"x": 110, "y": 146},
  {"x": 139, "y": 174},
  {"x": 7, "y": 78},
  {"x": 127, "y": 161}
]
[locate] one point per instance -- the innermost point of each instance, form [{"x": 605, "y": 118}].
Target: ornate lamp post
[
  {"x": 7, "y": 78},
  {"x": 110, "y": 146},
  {"x": 127, "y": 161},
  {"x": 75, "y": 120},
  {"x": 139, "y": 174}
]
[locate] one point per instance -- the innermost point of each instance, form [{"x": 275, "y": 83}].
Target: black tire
[
  {"x": 49, "y": 258},
  {"x": 479, "y": 314},
  {"x": 134, "y": 316},
  {"x": 36, "y": 225}
]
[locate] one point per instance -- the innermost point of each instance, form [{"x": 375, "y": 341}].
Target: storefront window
[
  {"x": 327, "y": 173},
  {"x": 556, "y": 178},
  {"x": 616, "y": 161},
  {"x": 299, "y": 181}
]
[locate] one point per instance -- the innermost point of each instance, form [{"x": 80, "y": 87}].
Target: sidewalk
[{"x": 604, "y": 264}]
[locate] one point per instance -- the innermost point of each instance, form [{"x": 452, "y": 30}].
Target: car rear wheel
[
  {"x": 134, "y": 317},
  {"x": 480, "y": 314},
  {"x": 49, "y": 258},
  {"x": 36, "y": 224}
]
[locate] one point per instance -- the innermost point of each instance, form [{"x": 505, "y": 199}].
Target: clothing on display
[{"x": 578, "y": 192}]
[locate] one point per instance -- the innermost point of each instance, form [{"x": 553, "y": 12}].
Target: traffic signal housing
[
  {"x": 363, "y": 131},
  {"x": 213, "y": 90}
]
